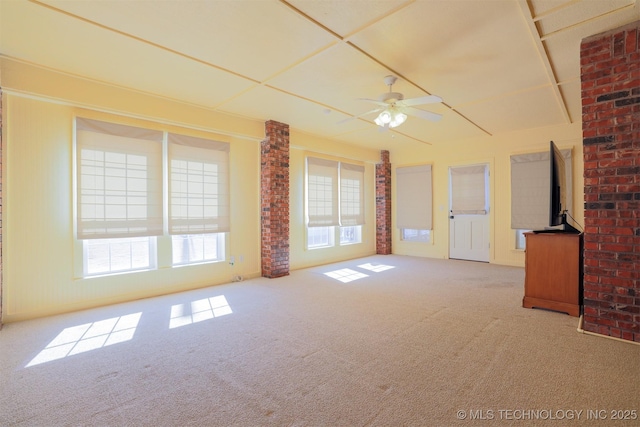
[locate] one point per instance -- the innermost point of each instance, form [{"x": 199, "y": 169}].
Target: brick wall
[
  {"x": 1, "y": 203},
  {"x": 610, "y": 69},
  {"x": 274, "y": 188},
  {"x": 383, "y": 205}
]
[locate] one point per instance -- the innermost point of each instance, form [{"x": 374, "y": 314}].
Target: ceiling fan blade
[
  {"x": 430, "y": 99},
  {"x": 374, "y": 101},
  {"x": 348, "y": 119},
  {"x": 427, "y": 115}
]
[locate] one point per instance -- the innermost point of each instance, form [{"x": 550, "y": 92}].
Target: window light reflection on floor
[
  {"x": 375, "y": 268},
  {"x": 197, "y": 311},
  {"x": 87, "y": 337},
  {"x": 346, "y": 275}
]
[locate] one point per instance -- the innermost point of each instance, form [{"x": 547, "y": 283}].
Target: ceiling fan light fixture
[
  {"x": 390, "y": 117},
  {"x": 394, "y": 104},
  {"x": 384, "y": 118},
  {"x": 398, "y": 119}
]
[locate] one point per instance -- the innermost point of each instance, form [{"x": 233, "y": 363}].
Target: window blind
[
  {"x": 198, "y": 185},
  {"x": 119, "y": 180},
  {"x": 469, "y": 190},
  {"x": 414, "y": 208},
  {"x": 530, "y": 189},
  {"x": 351, "y": 194},
  {"x": 322, "y": 192}
]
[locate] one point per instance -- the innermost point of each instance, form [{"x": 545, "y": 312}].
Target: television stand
[{"x": 553, "y": 272}]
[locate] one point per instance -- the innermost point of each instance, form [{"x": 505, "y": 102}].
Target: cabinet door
[{"x": 552, "y": 265}]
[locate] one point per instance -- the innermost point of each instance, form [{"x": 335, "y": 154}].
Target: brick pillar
[
  {"x": 274, "y": 194},
  {"x": 610, "y": 74},
  {"x": 1, "y": 203},
  {"x": 383, "y": 205}
]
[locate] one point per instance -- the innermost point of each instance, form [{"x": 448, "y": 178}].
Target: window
[
  {"x": 120, "y": 196},
  {"x": 350, "y": 235},
  {"x": 530, "y": 189},
  {"x": 351, "y": 194},
  {"x": 197, "y": 248},
  {"x": 414, "y": 206},
  {"x": 416, "y": 235},
  {"x": 521, "y": 242},
  {"x": 469, "y": 190},
  {"x": 322, "y": 192},
  {"x": 119, "y": 181},
  {"x": 335, "y": 202},
  {"x": 107, "y": 256},
  {"x": 320, "y": 237},
  {"x": 198, "y": 185}
]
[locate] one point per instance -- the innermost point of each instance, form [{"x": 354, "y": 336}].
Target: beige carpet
[{"x": 397, "y": 341}]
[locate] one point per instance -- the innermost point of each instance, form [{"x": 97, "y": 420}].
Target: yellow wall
[
  {"x": 42, "y": 261},
  {"x": 494, "y": 151},
  {"x": 41, "y": 256}
]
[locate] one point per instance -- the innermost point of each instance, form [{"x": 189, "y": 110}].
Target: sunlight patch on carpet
[
  {"x": 377, "y": 268},
  {"x": 87, "y": 337},
  {"x": 346, "y": 275},
  {"x": 198, "y": 311}
]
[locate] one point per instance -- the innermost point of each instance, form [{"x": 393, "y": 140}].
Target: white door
[
  {"x": 469, "y": 237},
  {"x": 469, "y": 213}
]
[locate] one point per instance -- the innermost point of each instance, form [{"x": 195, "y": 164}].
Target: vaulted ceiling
[{"x": 498, "y": 65}]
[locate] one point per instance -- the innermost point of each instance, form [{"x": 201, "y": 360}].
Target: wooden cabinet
[{"x": 553, "y": 272}]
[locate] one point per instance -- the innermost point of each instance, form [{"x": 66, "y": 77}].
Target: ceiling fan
[{"x": 393, "y": 108}]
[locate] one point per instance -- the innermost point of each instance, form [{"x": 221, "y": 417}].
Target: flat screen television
[{"x": 558, "y": 193}]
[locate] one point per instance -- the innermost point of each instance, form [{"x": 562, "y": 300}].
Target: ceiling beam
[{"x": 527, "y": 12}]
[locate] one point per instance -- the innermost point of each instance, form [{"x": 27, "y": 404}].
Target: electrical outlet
[
  {"x": 241, "y": 258},
  {"x": 232, "y": 260}
]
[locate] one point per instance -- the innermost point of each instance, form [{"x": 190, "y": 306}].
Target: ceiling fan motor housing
[
  {"x": 391, "y": 97},
  {"x": 389, "y": 80}
]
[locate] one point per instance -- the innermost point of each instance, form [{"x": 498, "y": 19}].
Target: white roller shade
[
  {"x": 469, "y": 190},
  {"x": 322, "y": 192},
  {"x": 414, "y": 206},
  {"x": 119, "y": 180},
  {"x": 530, "y": 174},
  {"x": 351, "y": 194},
  {"x": 198, "y": 185}
]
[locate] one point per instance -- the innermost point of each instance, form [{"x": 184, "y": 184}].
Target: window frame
[
  {"x": 329, "y": 234},
  {"x": 418, "y": 232},
  {"x": 152, "y": 253},
  {"x": 160, "y": 247},
  {"x": 357, "y": 232},
  {"x": 220, "y": 241},
  {"x": 346, "y": 207}
]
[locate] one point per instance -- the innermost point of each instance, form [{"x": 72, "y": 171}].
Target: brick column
[
  {"x": 274, "y": 189},
  {"x": 610, "y": 71},
  {"x": 1, "y": 203},
  {"x": 383, "y": 205}
]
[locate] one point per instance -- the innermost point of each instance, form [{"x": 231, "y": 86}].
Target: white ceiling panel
[
  {"x": 347, "y": 17},
  {"x": 253, "y": 38},
  {"x": 483, "y": 47},
  {"x": 378, "y": 139},
  {"x": 530, "y": 109},
  {"x": 499, "y": 65},
  {"x": 542, "y": 7},
  {"x": 338, "y": 77},
  {"x": 41, "y": 35},
  {"x": 576, "y": 13},
  {"x": 296, "y": 112},
  {"x": 571, "y": 91},
  {"x": 564, "y": 46},
  {"x": 452, "y": 126}
]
